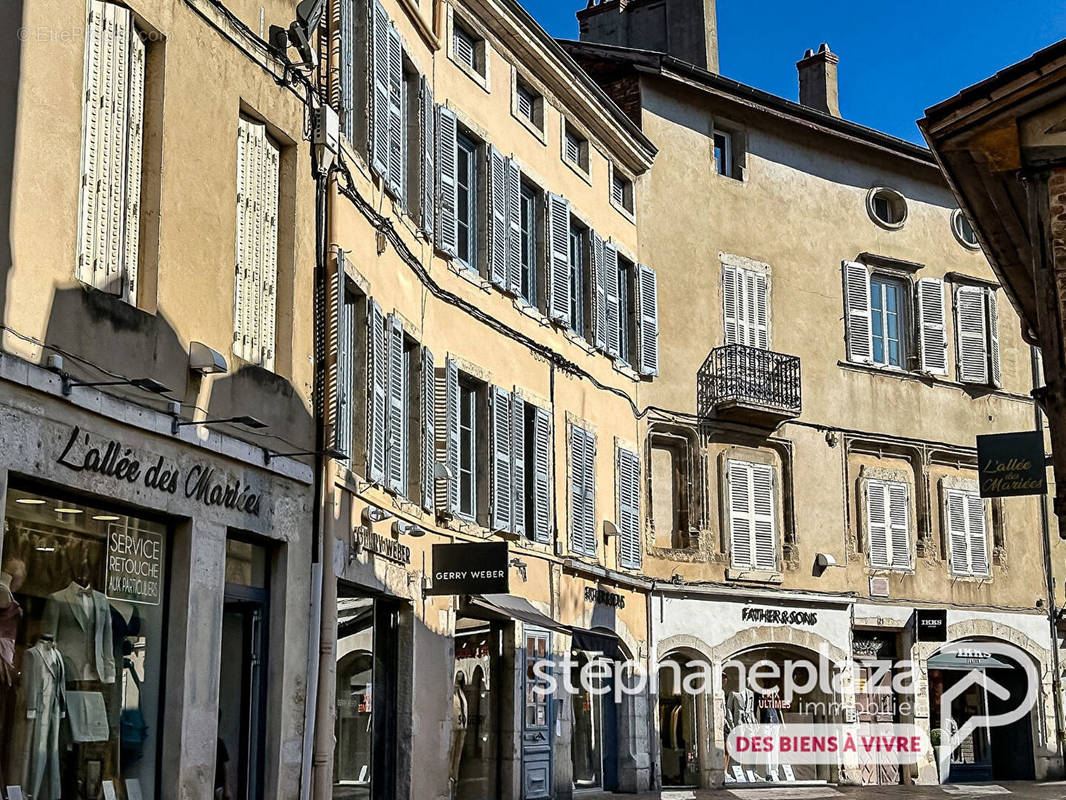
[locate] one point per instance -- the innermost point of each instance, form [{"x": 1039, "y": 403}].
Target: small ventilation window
[
  {"x": 963, "y": 230},
  {"x": 887, "y": 207}
]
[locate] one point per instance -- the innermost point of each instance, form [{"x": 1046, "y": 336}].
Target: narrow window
[
  {"x": 887, "y": 316},
  {"x": 627, "y": 310},
  {"x": 468, "y": 448},
  {"x": 621, "y": 191},
  {"x": 723, "y": 153},
  {"x": 575, "y": 148},
  {"x": 577, "y": 277},
  {"x": 528, "y": 215},
  {"x": 465, "y": 45},
  {"x": 466, "y": 187}
]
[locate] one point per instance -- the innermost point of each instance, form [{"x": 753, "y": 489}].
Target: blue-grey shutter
[
  {"x": 377, "y": 401},
  {"x": 428, "y": 170},
  {"x": 648, "y": 316},
  {"x": 447, "y": 430},
  {"x": 542, "y": 452},
  {"x": 589, "y": 514},
  {"x": 628, "y": 470},
  {"x": 559, "y": 287},
  {"x": 933, "y": 344},
  {"x": 447, "y": 165},
  {"x": 514, "y": 227},
  {"x": 614, "y": 310},
  {"x": 345, "y": 338},
  {"x": 347, "y": 69},
  {"x": 396, "y": 120},
  {"x": 396, "y": 387},
  {"x": 971, "y": 330},
  {"x": 599, "y": 298},
  {"x": 582, "y": 491},
  {"x": 429, "y": 442},
  {"x": 380, "y": 94},
  {"x": 497, "y": 218},
  {"x": 518, "y": 464},
  {"x": 500, "y": 471},
  {"x": 857, "y": 322}
]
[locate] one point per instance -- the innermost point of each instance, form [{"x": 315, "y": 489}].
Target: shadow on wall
[
  {"x": 121, "y": 339},
  {"x": 10, "y": 71}
]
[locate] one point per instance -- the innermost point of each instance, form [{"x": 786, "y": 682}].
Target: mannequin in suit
[
  {"x": 11, "y": 579},
  {"x": 460, "y": 721},
  {"x": 80, "y": 619},
  {"x": 739, "y": 710},
  {"x": 45, "y": 699}
]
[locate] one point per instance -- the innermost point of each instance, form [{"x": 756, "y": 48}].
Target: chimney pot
[{"x": 818, "y": 80}]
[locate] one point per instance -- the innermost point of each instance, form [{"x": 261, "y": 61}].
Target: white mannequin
[{"x": 45, "y": 692}]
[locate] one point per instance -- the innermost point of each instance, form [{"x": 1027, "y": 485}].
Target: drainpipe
[{"x": 1045, "y": 528}]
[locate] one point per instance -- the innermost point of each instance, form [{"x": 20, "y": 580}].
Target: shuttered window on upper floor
[
  {"x": 582, "y": 483},
  {"x": 966, "y": 529},
  {"x": 746, "y": 305},
  {"x": 112, "y": 141},
  {"x": 977, "y": 335},
  {"x": 627, "y": 478},
  {"x": 888, "y": 524},
  {"x": 751, "y": 510}
]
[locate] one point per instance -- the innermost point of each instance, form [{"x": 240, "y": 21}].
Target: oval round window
[
  {"x": 963, "y": 230},
  {"x": 887, "y": 207}
]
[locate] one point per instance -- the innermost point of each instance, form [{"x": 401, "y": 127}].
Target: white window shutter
[
  {"x": 396, "y": 407},
  {"x": 977, "y": 534},
  {"x": 109, "y": 269},
  {"x": 731, "y": 303},
  {"x": 971, "y": 334},
  {"x": 648, "y": 315},
  {"x": 879, "y": 542},
  {"x": 589, "y": 518},
  {"x": 542, "y": 447},
  {"x": 134, "y": 141},
  {"x": 760, "y": 290},
  {"x": 559, "y": 287},
  {"x": 615, "y": 319},
  {"x": 344, "y": 314},
  {"x": 599, "y": 297},
  {"x": 396, "y": 121},
  {"x": 898, "y": 523},
  {"x": 993, "y": 338},
  {"x": 497, "y": 218},
  {"x": 247, "y": 268},
  {"x": 448, "y": 436},
  {"x": 502, "y": 492},
  {"x": 514, "y": 226},
  {"x": 428, "y": 171},
  {"x": 377, "y": 394},
  {"x": 582, "y": 491},
  {"x": 956, "y": 509},
  {"x": 931, "y": 326},
  {"x": 92, "y": 145},
  {"x": 741, "y": 519},
  {"x": 429, "y": 440},
  {"x": 857, "y": 323},
  {"x": 447, "y": 166},
  {"x": 347, "y": 68},
  {"x": 270, "y": 165},
  {"x": 765, "y": 543},
  {"x": 381, "y": 93},
  {"x": 628, "y": 480}
]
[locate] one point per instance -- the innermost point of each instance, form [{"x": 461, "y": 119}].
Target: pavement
[{"x": 1055, "y": 790}]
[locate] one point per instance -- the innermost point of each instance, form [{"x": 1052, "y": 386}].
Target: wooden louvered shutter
[
  {"x": 429, "y": 440},
  {"x": 134, "y": 141},
  {"x": 898, "y": 527},
  {"x": 500, "y": 475},
  {"x": 958, "y": 535},
  {"x": 497, "y": 218},
  {"x": 542, "y": 452},
  {"x": 428, "y": 171},
  {"x": 977, "y": 534},
  {"x": 518, "y": 465},
  {"x": 268, "y": 269},
  {"x": 763, "y": 515},
  {"x": 396, "y": 383},
  {"x": 448, "y": 436},
  {"x": 246, "y": 274},
  {"x": 730, "y": 303},
  {"x": 396, "y": 120},
  {"x": 993, "y": 338},
  {"x": 559, "y": 284},
  {"x": 347, "y": 69},
  {"x": 92, "y": 201},
  {"x": 931, "y": 326},
  {"x": 381, "y": 93},
  {"x": 599, "y": 296},
  {"x": 615, "y": 319},
  {"x": 447, "y": 165},
  {"x": 741, "y": 521},
  {"x": 514, "y": 226},
  {"x": 376, "y": 401},
  {"x": 628, "y": 472},
  {"x": 344, "y": 313},
  {"x": 582, "y": 491},
  {"x": 877, "y": 525},
  {"x": 108, "y": 272},
  {"x": 589, "y": 512},
  {"x": 648, "y": 317},
  {"x": 760, "y": 304},
  {"x": 972, "y": 334},
  {"x": 857, "y": 325}
]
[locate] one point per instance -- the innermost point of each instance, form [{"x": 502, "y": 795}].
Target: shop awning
[
  {"x": 506, "y": 607},
  {"x": 594, "y": 642},
  {"x": 967, "y": 660}
]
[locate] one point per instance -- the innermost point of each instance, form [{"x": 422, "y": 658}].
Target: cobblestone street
[{"x": 1018, "y": 791}]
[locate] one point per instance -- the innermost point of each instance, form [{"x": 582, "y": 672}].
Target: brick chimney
[
  {"x": 685, "y": 29},
  {"x": 818, "y": 80}
]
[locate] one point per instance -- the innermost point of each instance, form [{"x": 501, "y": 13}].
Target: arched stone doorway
[{"x": 682, "y": 716}]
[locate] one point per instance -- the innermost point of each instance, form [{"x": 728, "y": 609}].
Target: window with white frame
[
  {"x": 468, "y": 49},
  {"x": 888, "y": 525},
  {"x": 751, "y": 512},
  {"x": 255, "y": 288},
  {"x": 967, "y": 532},
  {"x": 528, "y": 104},
  {"x": 746, "y": 303},
  {"x": 621, "y": 191},
  {"x": 112, "y": 141},
  {"x": 723, "y": 153},
  {"x": 977, "y": 335}
]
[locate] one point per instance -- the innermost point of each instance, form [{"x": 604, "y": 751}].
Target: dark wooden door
[{"x": 876, "y": 707}]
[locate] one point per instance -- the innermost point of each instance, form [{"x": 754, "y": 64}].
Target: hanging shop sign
[
  {"x": 931, "y": 625},
  {"x": 113, "y": 459},
  {"x": 364, "y": 540},
  {"x": 1012, "y": 464},
  {"x": 601, "y": 597},
  {"x": 134, "y": 565},
  {"x": 779, "y": 616},
  {"x": 474, "y": 568}
]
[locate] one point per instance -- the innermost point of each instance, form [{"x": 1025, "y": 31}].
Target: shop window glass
[{"x": 81, "y": 649}]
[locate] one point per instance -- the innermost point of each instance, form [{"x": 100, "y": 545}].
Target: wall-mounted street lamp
[
  {"x": 55, "y": 364},
  {"x": 247, "y": 421}
]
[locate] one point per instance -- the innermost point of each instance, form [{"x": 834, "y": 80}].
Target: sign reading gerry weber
[
  {"x": 114, "y": 460},
  {"x": 1011, "y": 464},
  {"x": 475, "y": 568}
]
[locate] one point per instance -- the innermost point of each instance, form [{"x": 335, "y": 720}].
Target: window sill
[
  {"x": 468, "y": 274},
  {"x": 472, "y": 73},
  {"x": 538, "y": 133},
  {"x": 533, "y": 312},
  {"x": 928, "y": 378},
  {"x": 889, "y": 571},
  {"x": 578, "y": 170},
  {"x": 754, "y": 575},
  {"x": 625, "y": 212},
  {"x": 622, "y": 368},
  {"x": 970, "y": 578},
  {"x": 578, "y": 340}
]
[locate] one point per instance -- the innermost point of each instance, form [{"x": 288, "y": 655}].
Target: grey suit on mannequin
[
  {"x": 45, "y": 697},
  {"x": 82, "y": 633}
]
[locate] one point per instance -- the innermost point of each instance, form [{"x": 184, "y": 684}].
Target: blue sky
[{"x": 896, "y": 59}]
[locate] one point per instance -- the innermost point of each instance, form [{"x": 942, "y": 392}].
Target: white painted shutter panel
[
  {"x": 429, "y": 440},
  {"x": 542, "y": 444},
  {"x": 648, "y": 316},
  {"x": 518, "y": 465},
  {"x": 559, "y": 287},
  {"x": 345, "y": 315},
  {"x": 428, "y": 173},
  {"x": 396, "y": 382},
  {"x": 92, "y": 203},
  {"x": 244, "y": 292},
  {"x": 972, "y": 334},
  {"x": 589, "y": 514},
  {"x": 134, "y": 140},
  {"x": 268, "y": 268},
  {"x": 582, "y": 491},
  {"x": 931, "y": 326},
  {"x": 741, "y": 519},
  {"x": 380, "y": 94},
  {"x": 877, "y": 525},
  {"x": 497, "y": 218},
  {"x": 762, "y": 477},
  {"x": 628, "y": 471},
  {"x": 857, "y": 323},
  {"x": 116, "y": 83},
  {"x": 514, "y": 226},
  {"x": 977, "y": 534},
  {"x": 500, "y": 475},
  {"x": 347, "y": 69},
  {"x": 448, "y": 436},
  {"x": 898, "y": 527},
  {"x": 448, "y": 164},
  {"x": 254, "y": 222},
  {"x": 730, "y": 303},
  {"x": 760, "y": 328},
  {"x": 993, "y": 338},
  {"x": 396, "y": 121},
  {"x": 376, "y": 401},
  {"x": 614, "y": 309},
  {"x": 958, "y": 537},
  {"x": 599, "y": 296}
]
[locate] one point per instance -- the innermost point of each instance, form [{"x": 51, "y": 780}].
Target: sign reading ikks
[
  {"x": 475, "y": 568},
  {"x": 114, "y": 460},
  {"x": 1011, "y": 464}
]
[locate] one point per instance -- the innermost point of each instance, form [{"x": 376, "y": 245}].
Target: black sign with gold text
[{"x": 1011, "y": 464}]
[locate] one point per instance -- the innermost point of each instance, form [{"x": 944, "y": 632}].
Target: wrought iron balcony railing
[{"x": 737, "y": 376}]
